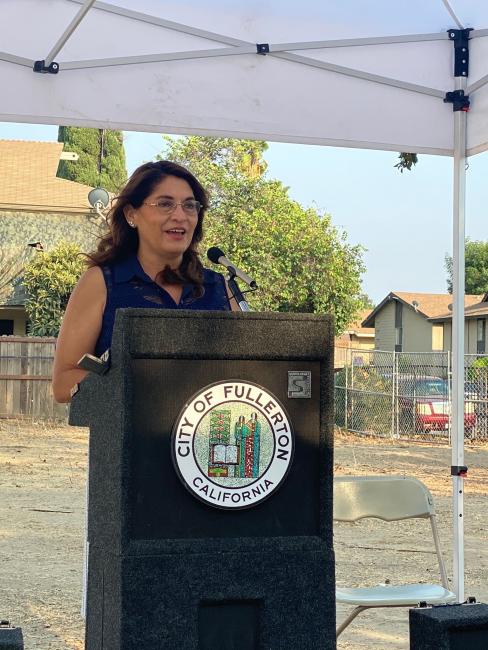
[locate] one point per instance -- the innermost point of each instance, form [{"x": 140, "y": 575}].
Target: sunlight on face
[{"x": 162, "y": 233}]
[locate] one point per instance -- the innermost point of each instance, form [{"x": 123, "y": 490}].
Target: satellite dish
[
  {"x": 415, "y": 304},
  {"x": 98, "y": 198}
]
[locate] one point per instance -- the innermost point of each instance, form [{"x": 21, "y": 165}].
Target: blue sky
[{"x": 403, "y": 220}]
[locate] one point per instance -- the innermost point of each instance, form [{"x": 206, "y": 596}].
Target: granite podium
[{"x": 210, "y": 483}]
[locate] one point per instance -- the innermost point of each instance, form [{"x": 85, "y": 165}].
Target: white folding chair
[{"x": 390, "y": 498}]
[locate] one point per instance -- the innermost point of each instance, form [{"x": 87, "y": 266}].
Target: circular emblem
[{"x": 232, "y": 444}]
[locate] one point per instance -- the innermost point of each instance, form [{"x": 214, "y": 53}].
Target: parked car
[
  {"x": 477, "y": 393},
  {"x": 424, "y": 404}
]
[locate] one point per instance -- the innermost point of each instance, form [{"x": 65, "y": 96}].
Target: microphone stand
[{"x": 235, "y": 291}]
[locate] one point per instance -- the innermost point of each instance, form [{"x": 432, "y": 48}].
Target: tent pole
[{"x": 459, "y": 200}]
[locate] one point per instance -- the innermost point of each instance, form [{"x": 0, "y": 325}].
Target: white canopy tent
[{"x": 342, "y": 73}]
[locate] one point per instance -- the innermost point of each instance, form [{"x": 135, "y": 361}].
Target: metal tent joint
[
  {"x": 262, "y": 48},
  {"x": 459, "y": 470},
  {"x": 460, "y": 38},
  {"x": 40, "y": 66},
  {"x": 459, "y": 101}
]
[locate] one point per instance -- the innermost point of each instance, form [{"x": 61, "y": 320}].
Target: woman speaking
[{"x": 149, "y": 258}]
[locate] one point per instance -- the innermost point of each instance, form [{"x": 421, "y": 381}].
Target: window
[
  {"x": 437, "y": 337},
  {"x": 480, "y": 336},
  {"x": 6, "y": 327},
  {"x": 398, "y": 326}
]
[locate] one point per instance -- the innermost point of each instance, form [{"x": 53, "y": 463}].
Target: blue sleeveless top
[{"x": 129, "y": 286}]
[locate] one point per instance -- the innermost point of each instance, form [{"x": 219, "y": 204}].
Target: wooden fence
[{"x": 25, "y": 379}]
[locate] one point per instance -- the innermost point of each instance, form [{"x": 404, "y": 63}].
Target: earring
[{"x": 132, "y": 224}]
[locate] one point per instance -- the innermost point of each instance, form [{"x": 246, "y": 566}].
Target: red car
[{"x": 425, "y": 405}]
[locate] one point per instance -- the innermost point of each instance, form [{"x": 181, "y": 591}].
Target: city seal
[{"x": 232, "y": 444}]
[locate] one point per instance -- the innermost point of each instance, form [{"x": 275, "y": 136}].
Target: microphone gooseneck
[{"x": 217, "y": 256}]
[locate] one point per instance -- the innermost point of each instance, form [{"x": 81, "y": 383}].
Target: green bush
[
  {"x": 49, "y": 278},
  {"x": 478, "y": 370},
  {"x": 368, "y": 407}
]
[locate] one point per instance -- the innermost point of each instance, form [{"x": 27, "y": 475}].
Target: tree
[
  {"x": 300, "y": 261},
  {"x": 12, "y": 261},
  {"x": 49, "y": 279},
  {"x": 366, "y": 301},
  {"x": 101, "y": 161},
  {"x": 476, "y": 268}
]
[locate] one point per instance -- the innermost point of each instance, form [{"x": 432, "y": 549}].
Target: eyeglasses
[{"x": 168, "y": 206}]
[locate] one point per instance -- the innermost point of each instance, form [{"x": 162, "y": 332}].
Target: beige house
[
  {"x": 36, "y": 207},
  {"x": 409, "y": 322},
  {"x": 475, "y": 316},
  {"x": 356, "y": 336}
]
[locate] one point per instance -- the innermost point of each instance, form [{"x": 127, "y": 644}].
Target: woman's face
[{"x": 161, "y": 231}]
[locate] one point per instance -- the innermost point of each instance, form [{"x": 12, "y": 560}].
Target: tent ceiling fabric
[{"x": 286, "y": 95}]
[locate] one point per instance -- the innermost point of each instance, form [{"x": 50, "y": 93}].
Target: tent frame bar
[
  {"x": 453, "y": 14},
  {"x": 186, "y": 29},
  {"x": 239, "y": 47},
  {"x": 61, "y": 42},
  {"x": 17, "y": 60},
  {"x": 360, "y": 74},
  {"x": 482, "y": 81},
  {"x": 358, "y": 42},
  {"x": 161, "y": 22},
  {"x": 251, "y": 49}
]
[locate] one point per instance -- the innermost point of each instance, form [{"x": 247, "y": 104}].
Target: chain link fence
[{"x": 408, "y": 394}]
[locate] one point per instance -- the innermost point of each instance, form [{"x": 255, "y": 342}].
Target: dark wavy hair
[{"x": 121, "y": 240}]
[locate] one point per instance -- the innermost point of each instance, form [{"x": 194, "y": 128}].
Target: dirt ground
[{"x": 42, "y": 517}]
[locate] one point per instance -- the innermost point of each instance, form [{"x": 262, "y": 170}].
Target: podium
[{"x": 210, "y": 483}]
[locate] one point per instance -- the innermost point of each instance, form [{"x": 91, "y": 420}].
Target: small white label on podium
[{"x": 299, "y": 383}]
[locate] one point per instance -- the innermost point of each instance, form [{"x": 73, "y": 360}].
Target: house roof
[
  {"x": 428, "y": 305},
  {"x": 478, "y": 309},
  {"x": 28, "y": 178},
  {"x": 355, "y": 330},
  {"x": 356, "y": 327}
]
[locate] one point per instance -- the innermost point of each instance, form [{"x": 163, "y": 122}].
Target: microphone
[{"x": 216, "y": 255}]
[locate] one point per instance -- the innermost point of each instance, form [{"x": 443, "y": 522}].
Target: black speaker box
[
  {"x": 449, "y": 627},
  {"x": 10, "y": 637}
]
